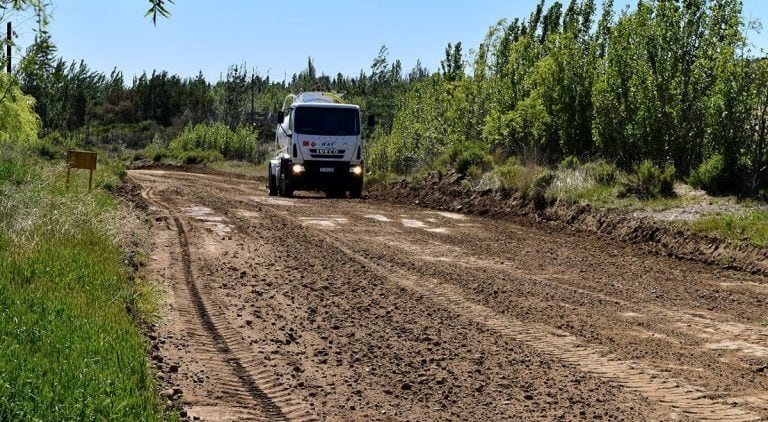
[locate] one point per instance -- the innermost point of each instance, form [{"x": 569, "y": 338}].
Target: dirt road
[{"x": 318, "y": 309}]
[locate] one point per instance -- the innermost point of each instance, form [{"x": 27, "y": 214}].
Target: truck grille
[
  {"x": 335, "y": 154},
  {"x": 337, "y": 157}
]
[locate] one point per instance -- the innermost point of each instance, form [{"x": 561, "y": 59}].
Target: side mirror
[
  {"x": 280, "y": 117},
  {"x": 371, "y": 120}
]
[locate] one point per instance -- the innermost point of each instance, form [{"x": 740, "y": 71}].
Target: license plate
[{"x": 326, "y": 169}]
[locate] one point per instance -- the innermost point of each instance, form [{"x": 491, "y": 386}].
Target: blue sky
[{"x": 276, "y": 37}]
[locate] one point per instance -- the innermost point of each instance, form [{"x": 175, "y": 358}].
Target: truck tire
[
  {"x": 272, "y": 185},
  {"x": 356, "y": 192},
  {"x": 284, "y": 188}
]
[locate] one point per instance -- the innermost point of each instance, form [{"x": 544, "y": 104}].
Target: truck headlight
[
  {"x": 298, "y": 168},
  {"x": 356, "y": 170}
]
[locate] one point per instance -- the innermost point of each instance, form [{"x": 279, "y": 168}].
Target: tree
[{"x": 453, "y": 64}]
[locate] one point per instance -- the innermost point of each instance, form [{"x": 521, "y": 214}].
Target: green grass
[
  {"x": 69, "y": 350},
  {"x": 749, "y": 226}
]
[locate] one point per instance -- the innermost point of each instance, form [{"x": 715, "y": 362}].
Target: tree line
[{"x": 669, "y": 81}]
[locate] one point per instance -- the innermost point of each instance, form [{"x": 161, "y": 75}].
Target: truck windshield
[{"x": 326, "y": 121}]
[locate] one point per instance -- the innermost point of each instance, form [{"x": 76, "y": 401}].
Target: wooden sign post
[{"x": 81, "y": 160}]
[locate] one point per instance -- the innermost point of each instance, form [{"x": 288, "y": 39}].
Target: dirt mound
[
  {"x": 189, "y": 168},
  {"x": 446, "y": 193},
  {"x": 130, "y": 191}
]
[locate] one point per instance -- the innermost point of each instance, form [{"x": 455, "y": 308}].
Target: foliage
[
  {"x": 570, "y": 162},
  {"x": 513, "y": 176},
  {"x": 710, "y": 175},
  {"x": 649, "y": 181},
  {"x": 69, "y": 349},
  {"x": 543, "y": 180},
  {"x": 665, "y": 81},
  {"x": 152, "y": 152},
  {"x": 18, "y": 121},
  {"x": 602, "y": 172},
  {"x": 158, "y": 7},
  {"x": 463, "y": 156},
  {"x": 240, "y": 144}
]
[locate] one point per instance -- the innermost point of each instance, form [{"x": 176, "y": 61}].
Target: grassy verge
[
  {"x": 750, "y": 225},
  {"x": 68, "y": 347},
  {"x": 602, "y": 185}
]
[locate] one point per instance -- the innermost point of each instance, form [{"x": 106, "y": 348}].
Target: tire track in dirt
[
  {"x": 558, "y": 344},
  {"x": 746, "y": 338},
  {"x": 691, "y": 401},
  {"x": 273, "y": 399}
]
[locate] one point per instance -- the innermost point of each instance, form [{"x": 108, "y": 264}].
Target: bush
[
  {"x": 602, "y": 172},
  {"x": 542, "y": 181},
  {"x": 199, "y": 157},
  {"x": 152, "y": 152},
  {"x": 462, "y": 156},
  {"x": 241, "y": 144},
  {"x": 710, "y": 175},
  {"x": 649, "y": 181},
  {"x": 513, "y": 176},
  {"x": 570, "y": 162}
]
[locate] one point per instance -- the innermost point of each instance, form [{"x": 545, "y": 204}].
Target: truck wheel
[
  {"x": 272, "y": 185},
  {"x": 356, "y": 192},
  {"x": 284, "y": 189}
]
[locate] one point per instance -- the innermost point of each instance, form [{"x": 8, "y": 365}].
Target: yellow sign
[{"x": 81, "y": 160}]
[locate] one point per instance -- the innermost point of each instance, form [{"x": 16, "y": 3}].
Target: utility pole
[
  {"x": 8, "y": 49},
  {"x": 253, "y": 117}
]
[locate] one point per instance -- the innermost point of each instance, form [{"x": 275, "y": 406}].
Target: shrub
[
  {"x": 602, "y": 172},
  {"x": 462, "y": 156},
  {"x": 199, "y": 157},
  {"x": 241, "y": 144},
  {"x": 513, "y": 176},
  {"x": 710, "y": 175},
  {"x": 570, "y": 162},
  {"x": 542, "y": 181},
  {"x": 649, "y": 181}
]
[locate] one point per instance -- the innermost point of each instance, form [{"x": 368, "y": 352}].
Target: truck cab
[{"x": 319, "y": 147}]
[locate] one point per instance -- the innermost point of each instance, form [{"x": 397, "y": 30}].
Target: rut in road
[
  {"x": 690, "y": 400},
  {"x": 270, "y": 398}
]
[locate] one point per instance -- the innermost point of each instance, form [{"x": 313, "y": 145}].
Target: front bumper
[{"x": 323, "y": 175}]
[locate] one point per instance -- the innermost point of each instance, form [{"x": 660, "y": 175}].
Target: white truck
[{"x": 319, "y": 147}]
